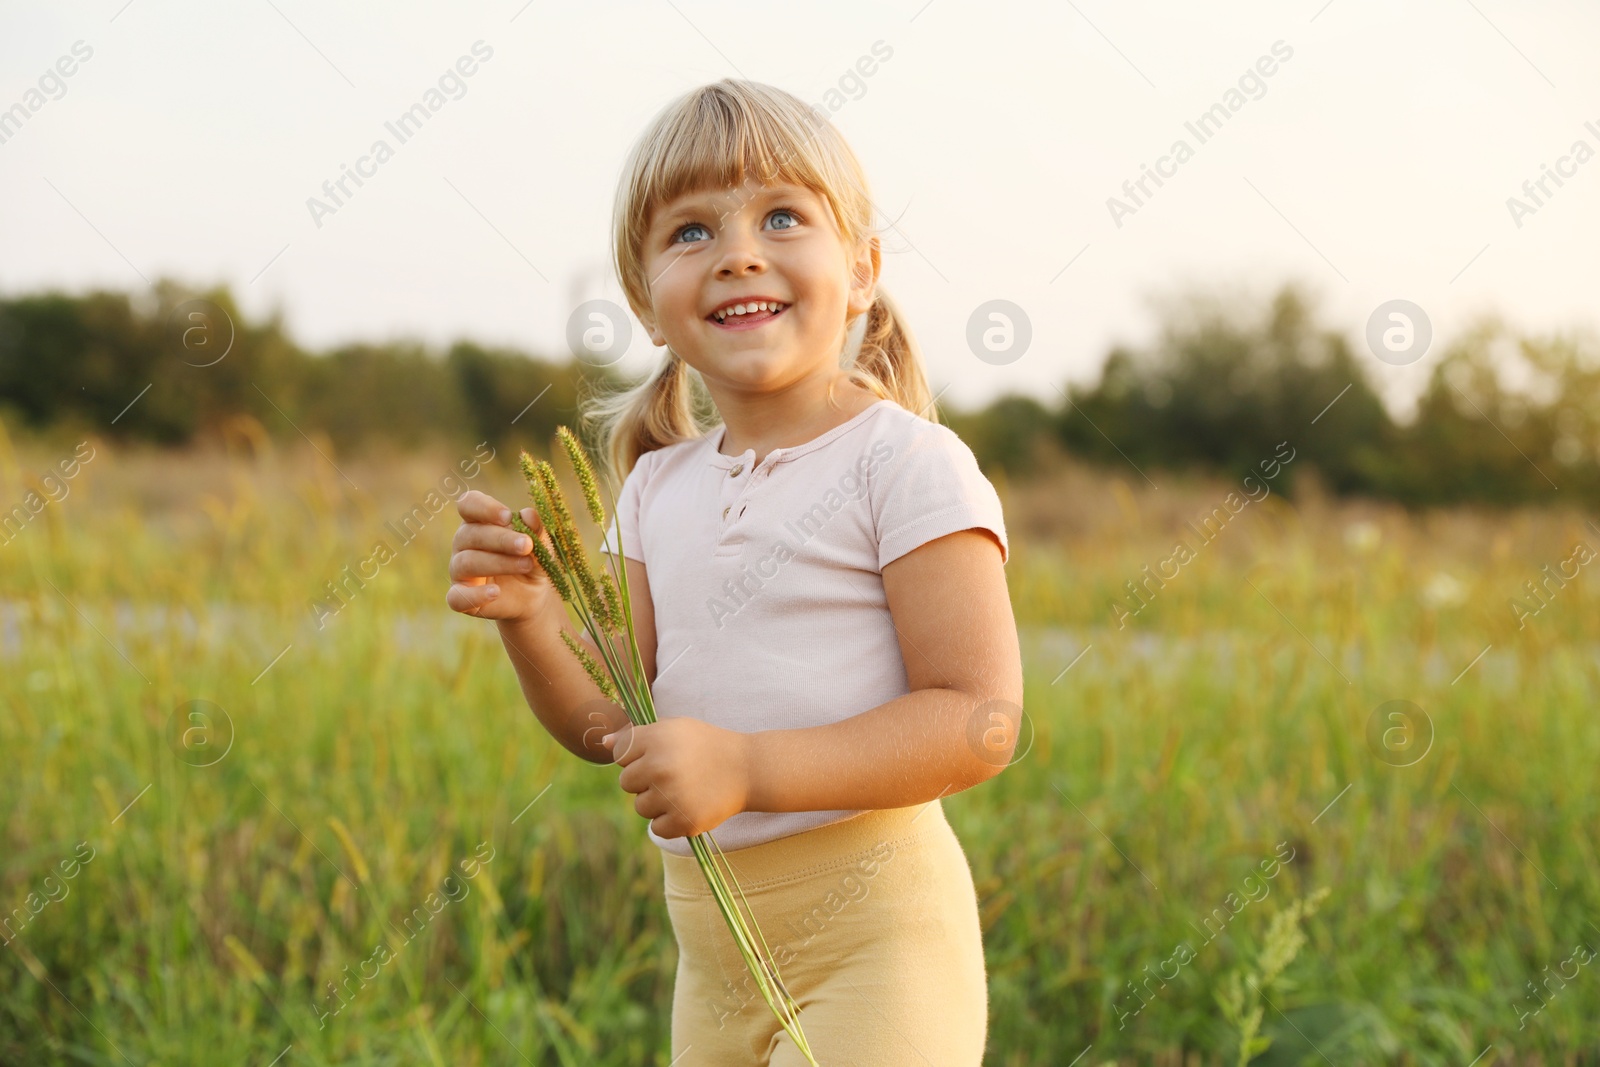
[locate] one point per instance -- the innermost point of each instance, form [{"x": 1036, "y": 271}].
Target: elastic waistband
[{"x": 812, "y": 852}]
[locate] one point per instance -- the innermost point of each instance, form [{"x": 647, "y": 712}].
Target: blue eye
[{"x": 795, "y": 220}]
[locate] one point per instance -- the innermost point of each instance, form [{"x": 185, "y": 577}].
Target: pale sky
[{"x": 1375, "y": 162}]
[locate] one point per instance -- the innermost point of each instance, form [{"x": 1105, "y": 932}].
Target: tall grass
[{"x": 380, "y": 754}]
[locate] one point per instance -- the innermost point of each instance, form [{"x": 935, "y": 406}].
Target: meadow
[{"x": 266, "y": 805}]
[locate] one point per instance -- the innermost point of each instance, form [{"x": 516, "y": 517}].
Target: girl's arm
[
  {"x": 956, "y": 728},
  {"x": 562, "y": 696}
]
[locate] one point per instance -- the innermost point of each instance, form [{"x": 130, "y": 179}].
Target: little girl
[{"x": 819, "y": 577}]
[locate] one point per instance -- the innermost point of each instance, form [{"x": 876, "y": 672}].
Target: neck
[{"x": 786, "y": 419}]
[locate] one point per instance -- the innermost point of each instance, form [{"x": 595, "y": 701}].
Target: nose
[{"x": 741, "y": 254}]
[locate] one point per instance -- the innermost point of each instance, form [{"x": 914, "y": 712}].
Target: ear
[
  {"x": 648, "y": 320},
  {"x": 864, "y": 268}
]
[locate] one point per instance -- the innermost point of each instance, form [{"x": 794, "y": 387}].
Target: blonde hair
[{"x": 717, "y": 136}]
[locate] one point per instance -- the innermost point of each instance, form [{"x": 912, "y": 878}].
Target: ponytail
[
  {"x": 659, "y": 411},
  {"x": 888, "y": 362}
]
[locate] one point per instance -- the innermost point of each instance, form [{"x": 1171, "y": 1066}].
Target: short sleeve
[
  {"x": 628, "y": 512},
  {"x": 930, "y": 486}
]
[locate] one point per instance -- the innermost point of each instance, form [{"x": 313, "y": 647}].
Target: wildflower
[
  {"x": 580, "y": 463},
  {"x": 590, "y": 667}
]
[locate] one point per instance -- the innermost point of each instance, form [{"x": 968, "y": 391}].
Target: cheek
[
  {"x": 665, "y": 277},
  {"x": 824, "y": 308},
  {"x": 670, "y": 305}
]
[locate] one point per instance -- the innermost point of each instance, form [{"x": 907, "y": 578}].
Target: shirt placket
[
  {"x": 737, "y": 483},
  {"x": 734, "y": 484}
]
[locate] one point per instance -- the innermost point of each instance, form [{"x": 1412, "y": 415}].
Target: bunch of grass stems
[{"x": 604, "y": 608}]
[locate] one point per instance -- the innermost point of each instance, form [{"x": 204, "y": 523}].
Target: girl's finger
[
  {"x": 620, "y": 743},
  {"x": 469, "y": 599},
  {"x": 471, "y": 563},
  {"x": 477, "y": 506},
  {"x": 487, "y": 537}
]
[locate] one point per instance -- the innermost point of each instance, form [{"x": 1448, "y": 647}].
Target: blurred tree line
[
  {"x": 1502, "y": 420},
  {"x": 82, "y": 363}
]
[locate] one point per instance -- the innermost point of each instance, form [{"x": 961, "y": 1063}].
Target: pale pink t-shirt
[{"x": 767, "y": 580}]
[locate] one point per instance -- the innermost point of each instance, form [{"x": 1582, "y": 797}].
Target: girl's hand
[
  {"x": 689, "y": 775},
  {"x": 493, "y": 572}
]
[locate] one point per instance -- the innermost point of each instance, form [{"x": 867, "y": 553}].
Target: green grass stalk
[{"x": 605, "y": 610}]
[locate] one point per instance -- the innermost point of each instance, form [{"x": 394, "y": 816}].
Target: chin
[
  {"x": 755, "y": 360},
  {"x": 758, "y": 377}
]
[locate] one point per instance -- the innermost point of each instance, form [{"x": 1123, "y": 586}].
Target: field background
[{"x": 1226, "y": 724}]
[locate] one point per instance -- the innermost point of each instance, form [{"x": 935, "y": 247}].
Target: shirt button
[
  {"x": 725, "y": 511},
  {"x": 737, "y": 469}
]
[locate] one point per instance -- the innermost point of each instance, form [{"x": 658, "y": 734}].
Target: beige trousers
[{"x": 873, "y": 924}]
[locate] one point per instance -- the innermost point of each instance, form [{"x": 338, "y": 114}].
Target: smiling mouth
[{"x": 745, "y": 316}]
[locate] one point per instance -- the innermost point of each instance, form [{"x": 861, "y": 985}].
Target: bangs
[
  {"x": 717, "y": 139},
  {"x": 722, "y": 142}
]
